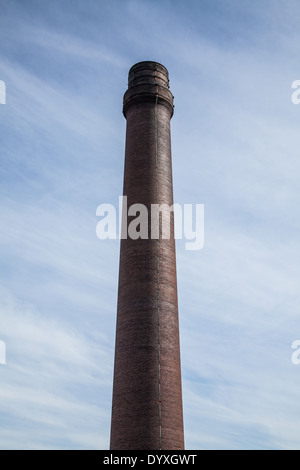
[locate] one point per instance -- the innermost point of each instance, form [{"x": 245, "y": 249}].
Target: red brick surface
[{"x": 144, "y": 414}]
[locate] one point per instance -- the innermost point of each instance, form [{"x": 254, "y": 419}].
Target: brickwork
[{"x": 147, "y": 399}]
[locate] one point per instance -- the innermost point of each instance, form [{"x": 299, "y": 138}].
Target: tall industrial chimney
[{"x": 147, "y": 398}]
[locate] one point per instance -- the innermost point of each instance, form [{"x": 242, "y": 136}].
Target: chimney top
[
  {"x": 148, "y": 72},
  {"x": 148, "y": 81}
]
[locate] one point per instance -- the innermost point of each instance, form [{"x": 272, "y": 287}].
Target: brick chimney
[{"x": 147, "y": 397}]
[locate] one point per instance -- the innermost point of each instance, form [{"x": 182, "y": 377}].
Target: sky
[{"x": 235, "y": 149}]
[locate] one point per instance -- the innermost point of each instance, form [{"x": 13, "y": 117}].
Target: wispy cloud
[
  {"x": 234, "y": 140},
  {"x": 47, "y": 360}
]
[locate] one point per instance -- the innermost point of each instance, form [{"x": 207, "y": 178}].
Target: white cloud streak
[{"x": 235, "y": 139}]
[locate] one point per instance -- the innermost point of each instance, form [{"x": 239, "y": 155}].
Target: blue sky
[{"x": 235, "y": 148}]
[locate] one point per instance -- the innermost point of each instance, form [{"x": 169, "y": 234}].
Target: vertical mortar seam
[{"x": 157, "y": 256}]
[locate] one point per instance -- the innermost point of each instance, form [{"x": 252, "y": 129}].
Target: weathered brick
[{"x": 147, "y": 334}]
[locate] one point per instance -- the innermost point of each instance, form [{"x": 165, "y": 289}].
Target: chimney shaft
[{"x": 147, "y": 397}]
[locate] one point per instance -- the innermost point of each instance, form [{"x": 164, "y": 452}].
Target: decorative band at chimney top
[{"x": 148, "y": 81}]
